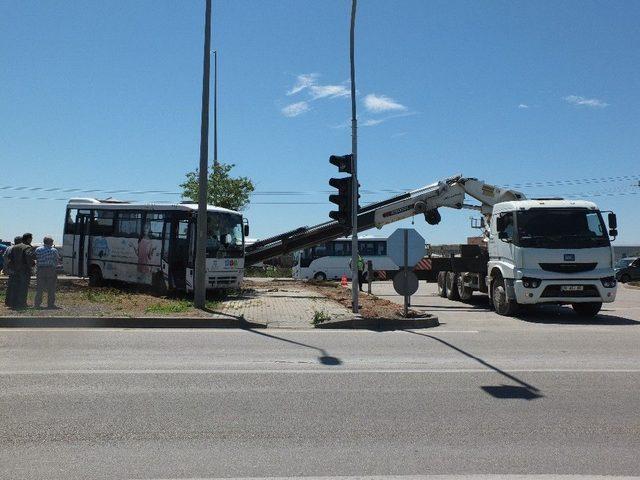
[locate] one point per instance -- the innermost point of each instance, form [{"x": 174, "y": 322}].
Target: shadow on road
[
  {"x": 324, "y": 358},
  {"x": 563, "y": 315},
  {"x": 524, "y": 391}
]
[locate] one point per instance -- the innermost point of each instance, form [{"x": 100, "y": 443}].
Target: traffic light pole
[{"x": 354, "y": 159}]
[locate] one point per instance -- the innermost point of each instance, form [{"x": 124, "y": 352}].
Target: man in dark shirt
[
  {"x": 22, "y": 262},
  {"x": 9, "y": 299}
]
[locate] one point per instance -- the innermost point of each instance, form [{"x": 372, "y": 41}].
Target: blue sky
[{"x": 106, "y": 95}]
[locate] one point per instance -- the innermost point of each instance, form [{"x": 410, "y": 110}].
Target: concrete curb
[
  {"x": 383, "y": 323},
  {"x": 126, "y": 322}
]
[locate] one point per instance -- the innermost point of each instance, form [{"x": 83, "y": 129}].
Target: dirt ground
[{"x": 75, "y": 298}]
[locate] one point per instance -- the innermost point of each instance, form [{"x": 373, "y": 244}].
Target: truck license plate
[{"x": 572, "y": 288}]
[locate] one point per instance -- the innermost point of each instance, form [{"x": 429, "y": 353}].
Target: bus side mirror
[
  {"x": 246, "y": 229},
  {"x": 613, "y": 221}
]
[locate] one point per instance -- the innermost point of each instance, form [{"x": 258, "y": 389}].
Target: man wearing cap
[{"x": 47, "y": 258}]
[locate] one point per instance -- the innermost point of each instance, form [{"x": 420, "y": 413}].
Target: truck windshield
[
  {"x": 224, "y": 235},
  {"x": 561, "y": 228}
]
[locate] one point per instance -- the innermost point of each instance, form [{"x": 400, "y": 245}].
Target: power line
[{"x": 548, "y": 183}]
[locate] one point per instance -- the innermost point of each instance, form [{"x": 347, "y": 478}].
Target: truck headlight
[
  {"x": 608, "y": 282},
  {"x": 529, "y": 282}
]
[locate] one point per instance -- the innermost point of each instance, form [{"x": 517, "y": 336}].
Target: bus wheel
[
  {"x": 158, "y": 284},
  {"x": 588, "y": 310},
  {"x": 465, "y": 293},
  {"x": 442, "y": 287},
  {"x": 452, "y": 286},
  {"x": 501, "y": 304},
  {"x": 95, "y": 276},
  {"x": 320, "y": 277}
]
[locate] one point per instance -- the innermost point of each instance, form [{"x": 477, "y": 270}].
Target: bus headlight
[
  {"x": 608, "y": 282},
  {"x": 529, "y": 282}
]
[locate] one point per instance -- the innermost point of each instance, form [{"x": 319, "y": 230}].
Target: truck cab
[{"x": 550, "y": 251}]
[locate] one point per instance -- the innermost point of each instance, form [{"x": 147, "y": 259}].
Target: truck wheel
[
  {"x": 95, "y": 276},
  {"x": 589, "y": 310},
  {"x": 465, "y": 293},
  {"x": 625, "y": 278},
  {"x": 452, "y": 286},
  {"x": 442, "y": 287},
  {"x": 501, "y": 304}
]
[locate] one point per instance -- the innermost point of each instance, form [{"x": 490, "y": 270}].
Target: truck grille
[
  {"x": 554, "y": 291},
  {"x": 567, "y": 267}
]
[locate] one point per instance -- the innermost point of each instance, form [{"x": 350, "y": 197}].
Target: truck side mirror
[
  {"x": 613, "y": 221},
  {"x": 246, "y": 229},
  {"x": 613, "y": 232}
]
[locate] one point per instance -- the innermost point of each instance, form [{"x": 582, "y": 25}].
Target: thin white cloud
[
  {"x": 381, "y": 103},
  {"x": 295, "y": 109},
  {"x": 399, "y": 134},
  {"x": 372, "y": 122},
  {"x": 523, "y": 105},
  {"x": 587, "y": 102},
  {"x": 303, "y": 81},
  {"x": 328, "y": 91}
]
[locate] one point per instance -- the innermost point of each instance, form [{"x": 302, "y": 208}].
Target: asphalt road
[{"x": 477, "y": 395}]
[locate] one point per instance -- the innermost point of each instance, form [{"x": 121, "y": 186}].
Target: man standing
[
  {"x": 360, "y": 271},
  {"x": 9, "y": 299},
  {"x": 21, "y": 263},
  {"x": 47, "y": 258}
]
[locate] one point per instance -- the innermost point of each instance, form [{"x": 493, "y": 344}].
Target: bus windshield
[
  {"x": 561, "y": 228},
  {"x": 224, "y": 235}
]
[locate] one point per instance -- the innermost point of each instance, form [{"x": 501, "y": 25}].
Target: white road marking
[
  {"x": 321, "y": 371},
  {"x": 424, "y": 477}
]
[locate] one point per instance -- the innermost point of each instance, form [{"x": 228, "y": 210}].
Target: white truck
[{"x": 535, "y": 251}]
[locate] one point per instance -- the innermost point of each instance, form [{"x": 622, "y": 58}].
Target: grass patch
[
  {"x": 103, "y": 295},
  {"x": 268, "y": 272},
  {"x": 169, "y": 306},
  {"x": 320, "y": 317}
]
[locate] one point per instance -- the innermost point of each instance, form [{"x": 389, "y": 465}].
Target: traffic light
[
  {"x": 344, "y": 196},
  {"x": 343, "y": 162}
]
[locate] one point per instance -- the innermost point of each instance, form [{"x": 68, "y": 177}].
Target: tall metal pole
[
  {"x": 200, "y": 288},
  {"x": 354, "y": 153},
  {"x": 215, "y": 108}
]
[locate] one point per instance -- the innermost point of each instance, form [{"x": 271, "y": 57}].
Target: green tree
[{"x": 223, "y": 190}]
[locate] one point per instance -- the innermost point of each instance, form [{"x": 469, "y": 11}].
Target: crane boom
[{"x": 449, "y": 192}]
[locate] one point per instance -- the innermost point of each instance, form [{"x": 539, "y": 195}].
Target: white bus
[
  {"x": 330, "y": 260},
  {"x": 151, "y": 244}
]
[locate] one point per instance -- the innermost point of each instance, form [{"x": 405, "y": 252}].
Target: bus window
[
  {"x": 70, "y": 223},
  {"x": 367, "y": 248},
  {"x": 103, "y": 223},
  {"x": 342, "y": 249},
  {"x": 381, "y": 248},
  {"x": 321, "y": 250},
  {"x": 153, "y": 225},
  {"x": 129, "y": 224}
]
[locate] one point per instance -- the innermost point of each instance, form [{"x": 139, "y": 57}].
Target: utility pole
[
  {"x": 354, "y": 157},
  {"x": 200, "y": 287},
  {"x": 215, "y": 108}
]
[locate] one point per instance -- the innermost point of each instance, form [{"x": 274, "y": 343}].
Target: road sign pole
[{"x": 406, "y": 271}]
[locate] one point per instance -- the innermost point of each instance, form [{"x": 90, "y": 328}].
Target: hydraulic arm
[{"x": 449, "y": 192}]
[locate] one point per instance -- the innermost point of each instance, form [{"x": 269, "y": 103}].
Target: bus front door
[
  {"x": 175, "y": 251},
  {"x": 81, "y": 243}
]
